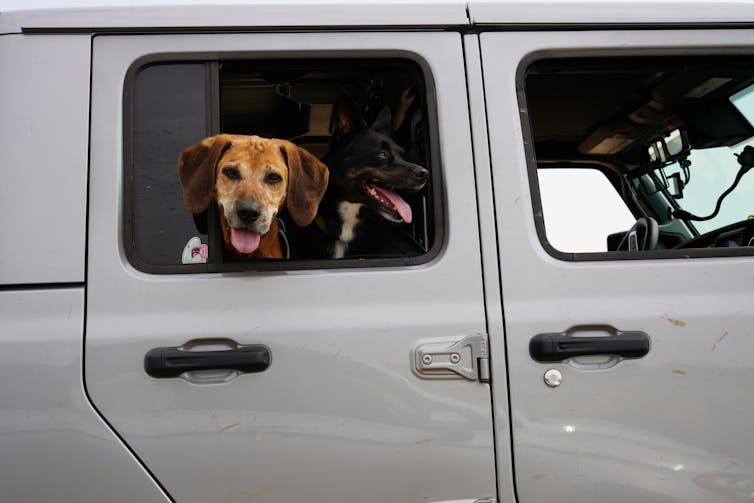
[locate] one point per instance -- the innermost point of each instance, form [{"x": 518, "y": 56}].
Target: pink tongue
[
  {"x": 243, "y": 240},
  {"x": 401, "y": 206}
]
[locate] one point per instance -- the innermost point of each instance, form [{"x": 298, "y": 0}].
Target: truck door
[
  {"x": 628, "y": 370},
  {"x": 366, "y": 385}
]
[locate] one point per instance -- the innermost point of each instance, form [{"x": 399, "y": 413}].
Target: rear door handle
[
  {"x": 172, "y": 362},
  {"x": 547, "y": 348}
]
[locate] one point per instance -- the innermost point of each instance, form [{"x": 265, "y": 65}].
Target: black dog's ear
[
  {"x": 196, "y": 169},
  {"x": 346, "y": 119},
  {"x": 384, "y": 122}
]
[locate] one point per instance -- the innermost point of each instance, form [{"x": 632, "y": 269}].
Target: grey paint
[
  {"x": 488, "y": 238},
  {"x": 43, "y": 140},
  {"x": 53, "y": 445},
  {"x": 255, "y": 14},
  {"x": 268, "y": 14},
  {"x": 673, "y": 426},
  {"x": 554, "y": 12},
  {"x": 339, "y": 416}
]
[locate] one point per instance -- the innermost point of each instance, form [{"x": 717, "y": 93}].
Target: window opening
[
  {"x": 675, "y": 129},
  {"x": 242, "y": 162}
]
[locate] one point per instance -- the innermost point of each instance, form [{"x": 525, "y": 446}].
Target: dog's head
[
  {"x": 251, "y": 178},
  {"x": 368, "y": 166}
]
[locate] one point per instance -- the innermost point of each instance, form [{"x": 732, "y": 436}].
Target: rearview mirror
[{"x": 670, "y": 147}]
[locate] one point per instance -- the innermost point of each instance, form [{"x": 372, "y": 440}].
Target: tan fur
[{"x": 303, "y": 180}]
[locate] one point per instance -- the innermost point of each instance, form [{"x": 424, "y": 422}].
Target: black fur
[{"x": 360, "y": 158}]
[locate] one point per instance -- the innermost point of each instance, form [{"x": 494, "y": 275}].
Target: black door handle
[
  {"x": 559, "y": 347},
  {"x": 172, "y": 362}
]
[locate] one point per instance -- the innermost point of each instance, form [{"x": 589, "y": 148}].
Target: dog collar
[
  {"x": 320, "y": 221},
  {"x": 284, "y": 239},
  {"x": 322, "y": 224}
]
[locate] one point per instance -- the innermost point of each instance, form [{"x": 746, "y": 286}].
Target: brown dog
[{"x": 251, "y": 178}]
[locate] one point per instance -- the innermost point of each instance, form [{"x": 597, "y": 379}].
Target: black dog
[{"x": 360, "y": 212}]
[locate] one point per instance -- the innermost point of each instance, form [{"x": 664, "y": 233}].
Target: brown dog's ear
[
  {"x": 196, "y": 169},
  {"x": 307, "y": 181}
]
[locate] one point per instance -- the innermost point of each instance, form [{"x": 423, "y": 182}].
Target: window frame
[
  {"x": 212, "y": 95},
  {"x": 531, "y": 158}
]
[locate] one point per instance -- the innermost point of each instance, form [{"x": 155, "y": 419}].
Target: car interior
[{"x": 670, "y": 133}]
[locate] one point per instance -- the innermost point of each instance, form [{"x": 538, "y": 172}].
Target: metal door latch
[{"x": 464, "y": 356}]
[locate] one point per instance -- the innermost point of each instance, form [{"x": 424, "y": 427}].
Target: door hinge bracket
[{"x": 458, "y": 357}]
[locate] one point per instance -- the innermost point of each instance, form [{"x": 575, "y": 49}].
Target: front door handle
[
  {"x": 172, "y": 362},
  {"x": 548, "y": 348}
]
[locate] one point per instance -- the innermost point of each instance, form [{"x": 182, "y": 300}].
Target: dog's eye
[
  {"x": 232, "y": 173},
  {"x": 382, "y": 155},
  {"x": 273, "y": 178}
]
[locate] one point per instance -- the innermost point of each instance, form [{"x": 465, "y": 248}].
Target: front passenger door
[{"x": 673, "y": 424}]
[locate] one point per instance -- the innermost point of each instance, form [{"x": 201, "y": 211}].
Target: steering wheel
[{"x": 641, "y": 236}]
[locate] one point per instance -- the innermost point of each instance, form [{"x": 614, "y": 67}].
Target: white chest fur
[{"x": 349, "y": 215}]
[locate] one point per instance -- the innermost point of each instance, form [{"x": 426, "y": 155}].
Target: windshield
[{"x": 713, "y": 171}]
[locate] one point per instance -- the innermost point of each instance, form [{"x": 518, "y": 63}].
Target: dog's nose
[
  {"x": 248, "y": 211},
  {"x": 420, "y": 174}
]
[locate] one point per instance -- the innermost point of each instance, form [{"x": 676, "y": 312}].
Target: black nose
[
  {"x": 420, "y": 174},
  {"x": 247, "y": 211}
]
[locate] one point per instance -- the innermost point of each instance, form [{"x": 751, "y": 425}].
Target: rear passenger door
[
  {"x": 674, "y": 425},
  {"x": 342, "y": 412}
]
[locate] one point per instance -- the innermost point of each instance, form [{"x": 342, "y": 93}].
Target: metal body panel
[
  {"x": 267, "y": 14},
  {"x": 488, "y": 240},
  {"x": 339, "y": 415},
  {"x": 563, "y": 12},
  {"x": 671, "y": 427},
  {"x": 19, "y": 15},
  {"x": 554, "y": 12},
  {"x": 53, "y": 445},
  {"x": 43, "y": 140}
]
